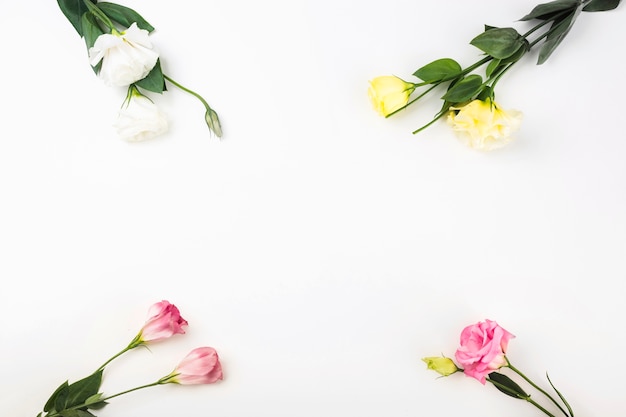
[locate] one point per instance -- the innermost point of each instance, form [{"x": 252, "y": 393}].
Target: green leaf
[
  {"x": 547, "y": 10},
  {"x": 91, "y": 29},
  {"x": 438, "y": 70},
  {"x": 571, "y": 413},
  {"x": 75, "y": 413},
  {"x": 50, "y": 403},
  {"x": 79, "y": 391},
  {"x": 124, "y": 15},
  {"x": 154, "y": 81},
  {"x": 507, "y": 386},
  {"x": 500, "y": 43},
  {"x": 601, "y": 5},
  {"x": 95, "y": 402},
  {"x": 492, "y": 67},
  {"x": 465, "y": 89},
  {"x": 74, "y": 10},
  {"x": 60, "y": 401},
  {"x": 559, "y": 29}
]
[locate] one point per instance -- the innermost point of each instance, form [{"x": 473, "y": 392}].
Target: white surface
[{"x": 321, "y": 249}]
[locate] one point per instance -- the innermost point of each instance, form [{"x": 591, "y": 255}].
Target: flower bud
[
  {"x": 442, "y": 365},
  {"x": 200, "y": 366},
  {"x": 213, "y": 121},
  {"x": 389, "y": 93}
]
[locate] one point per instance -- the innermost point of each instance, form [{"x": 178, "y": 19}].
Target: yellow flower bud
[
  {"x": 442, "y": 365},
  {"x": 483, "y": 124},
  {"x": 389, "y": 93}
]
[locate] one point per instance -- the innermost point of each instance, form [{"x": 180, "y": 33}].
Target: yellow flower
[
  {"x": 483, "y": 124},
  {"x": 442, "y": 365},
  {"x": 389, "y": 93}
]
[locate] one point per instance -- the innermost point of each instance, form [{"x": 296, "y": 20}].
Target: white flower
[
  {"x": 139, "y": 118},
  {"x": 483, "y": 124},
  {"x": 127, "y": 56}
]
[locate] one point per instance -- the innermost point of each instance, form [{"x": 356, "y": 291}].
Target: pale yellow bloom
[
  {"x": 389, "y": 93},
  {"x": 483, "y": 124}
]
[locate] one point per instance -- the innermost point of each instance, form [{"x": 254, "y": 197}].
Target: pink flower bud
[
  {"x": 200, "y": 366},
  {"x": 164, "y": 320}
]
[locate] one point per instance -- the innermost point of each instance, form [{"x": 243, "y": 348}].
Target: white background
[{"x": 321, "y": 249}]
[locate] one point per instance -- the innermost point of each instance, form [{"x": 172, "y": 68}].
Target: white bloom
[
  {"x": 127, "y": 56},
  {"x": 140, "y": 119},
  {"x": 483, "y": 124}
]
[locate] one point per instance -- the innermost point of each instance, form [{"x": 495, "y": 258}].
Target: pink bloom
[
  {"x": 200, "y": 366},
  {"x": 164, "y": 320},
  {"x": 483, "y": 346}
]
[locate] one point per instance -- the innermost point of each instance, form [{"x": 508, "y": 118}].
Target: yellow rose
[
  {"x": 442, "y": 365},
  {"x": 389, "y": 93},
  {"x": 483, "y": 125}
]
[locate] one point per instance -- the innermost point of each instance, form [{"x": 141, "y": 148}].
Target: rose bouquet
[
  {"x": 200, "y": 366},
  {"x": 469, "y": 101},
  {"x": 121, "y": 53},
  {"x": 482, "y": 356}
]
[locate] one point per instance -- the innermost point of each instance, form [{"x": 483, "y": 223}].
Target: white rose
[
  {"x": 127, "y": 56},
  {"x": 140, "y": 119}
]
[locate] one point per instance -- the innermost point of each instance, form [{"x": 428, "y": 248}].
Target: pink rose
[
  {"x": 200, "y": 366},
  {"x": 164, "y": 320},
  {"x": 483, "y": 346}
]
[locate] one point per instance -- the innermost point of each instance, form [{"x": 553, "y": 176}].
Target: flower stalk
[
  {"x": 481, "y": 355},
  {"x": 503, "y": 48},
  {"x": 211, "y": 117}
]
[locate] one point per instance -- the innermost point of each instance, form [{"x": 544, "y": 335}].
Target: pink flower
[
  {"x": 200, "y": 366},
  {"x": 483, "y": 346},
  {"x": 164, "y": 320}
]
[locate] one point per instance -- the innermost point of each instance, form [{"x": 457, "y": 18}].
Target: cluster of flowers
[
  {"x": 200, "y": 366},
  {"x": 482, "y": 353},
  {"x": 121, "y": 53},
  {"x": 469, "y": 102}
]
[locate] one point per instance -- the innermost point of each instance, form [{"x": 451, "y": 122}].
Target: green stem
[
  {"x": 76, "y": 407},
  {"x": 187, "y": 90},
  {"x": 100, "y": 15},
  {"x": 413, "y": 101},
  {"x": 133, "y": 344},
  {"x": 526, "y": 398},
  {"x": 211, "y": 118},
  {"x": 538, "y": 388}
]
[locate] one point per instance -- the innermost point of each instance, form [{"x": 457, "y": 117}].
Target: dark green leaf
[
  {"x": 506, "y": 385},
  {"x": 79, "y": 391},
  {"x": 518, "y": 54},
  {"x": 74, "y": 10},
  {"x": 50, "y": 403},
  {"x": 438, "y": 70},
  {"x": 60, "y": 402},
  {"x": 492, "y": 67},
  {"x": 91, "y": 29},
  {"x": 124, "y": 15},
  {"x": 601, "y": 5},
  {"x": 95, "y": 402},
  {"x": 557, "y": 33},
  {"x": 76, "y": 413},
  {"x": 547, "y": 10},
  {"x": 571, "y": 413},
  {"x": 500, "y": 43},
  {"x": 465, "y": 89},
  {"x": 154, "y": 81}
]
